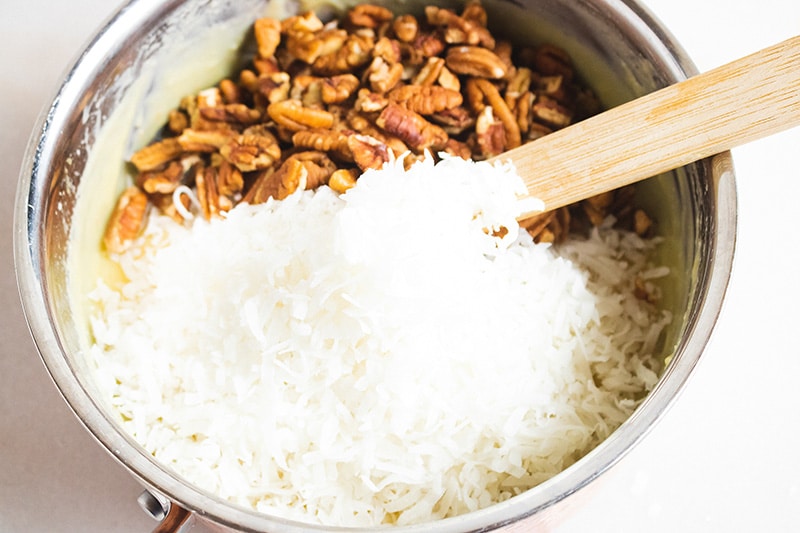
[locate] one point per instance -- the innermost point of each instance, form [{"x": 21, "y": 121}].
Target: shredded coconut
[{"x": 394, "y": 355}]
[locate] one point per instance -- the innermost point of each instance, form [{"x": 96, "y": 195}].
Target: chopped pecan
[
  {"x": 235, "y": 113},
  {"x": 369, "y": 16},
  {"x": 475, "y": 13},
  {"x": 154, "y": 155},
  {"x": 231, "y": 94},
  {"x": 459, "y": 30},
  {"x": 448, "y": 80},
  {"x": 207, "y": 192},
  {"x": 551, "y": 60},
  {"x": 429, "y": 72},
  {"x": 405, "y": 28},
  {"x": 230, "y": 181},
  {"x": 388, "y": 50},
  {"x": 292, "y": 115},
  {"x": 368, "y": 152},
  {"x": 355, "y": 53},
  {"x": 641, "y": 222},
  {"x": 370, "y": 102},
  {"x": 178, "y": 121},
  {"x": 551, "y": 113},
  {"x": 490, "y": 133},
  {"x": 126, "y": 221},
  {"x": 255, "y": 149},
  {"x": 425, "y": 99},
  {"x": 274, "y": 87},
  {"x": 383, "y": 76},
  {"x": 161, "y": 181},
  {"x": 324, "y": 140},
  {"x": 315, "y": 168},
  {"x": 342, "y": 180},
  {"x": 458, "y": 149},
  {"x": 500, "y": 109},
  {"x": 454, "y": 121},
  {"x": 204, "y": 141},
  {"x": 412, "y": 128},
  {"x": 304, "y": 23},
  {"x": 339, "y": 88},
  {"x": 475, "y": 61},
  {"x": 268, "y": 36}
]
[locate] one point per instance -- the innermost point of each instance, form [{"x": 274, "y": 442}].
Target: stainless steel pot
[{"x": 138, "y": 65}]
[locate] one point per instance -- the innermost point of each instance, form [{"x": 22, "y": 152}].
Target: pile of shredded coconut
[{"x": 397, "y": 354}]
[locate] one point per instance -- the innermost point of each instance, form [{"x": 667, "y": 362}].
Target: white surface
[{"x": 724, "y": 458}]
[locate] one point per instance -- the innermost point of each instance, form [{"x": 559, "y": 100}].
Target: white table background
[{"x": 725, "y": 458}]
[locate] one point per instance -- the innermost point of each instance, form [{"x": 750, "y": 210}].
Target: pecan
[
  {"x": 339, "y": 88},
  {"x": 458, "y": 30},
  {"x": 475, "y": 13},
  {"x": 448, "y": 80},
  {"x": 178, "y": 121},
  {"x": 342, "y": 180},
  {"x": 428, "y": 44},
  {"x": 388, "y": 50},
  {"x": 475, "y": 61},
  {"x": 370, "y": 102},
  {"x": 369, "y": 16},
  {"x": 454, "y": 121},
  {"x": 315, "y": 168},
  {"x": 355, "y": 53},
  {"x": 235, "y": 113},
  {"x": 255, "y": 149},
  {"x": 324, "y": 140},
  {"x": 551, "y": 60},
  {"x": 363, "y": 125},
  {"x": 154, "y": 155},
  {"x": 501, "y": 110},
  {"x": 490, "y": 133},
  {"x": 368, "y": 152},
  {"x": 204, "y": 141},
  {"x": 268, "y": 36},
  {"x": 551, "y": 113},
  {"x": 263, "y": 188},
  {"x": 274, "y": 87},
  {"x": 161, "y": 181},
  {"x": 383, "y": 76},
  {"x": 458, "y": 149},
  {"x": 304, "y": 23},
  {"x": 425, "y": 99},
  {"x": 230, "y": 181},
  {"x": 405, "y": 28},
  {"x": 207, "y": 192},
  {"x": 641, "y": 222},
  {"x": 412, "y": 128},
  {"x": 126, "y": 221},
  {"x": 597, "y": 207},
  {"x": 231, "y": 94},
  {"x": 429, "y": 72},
  {"x": 292, "y": 115}
]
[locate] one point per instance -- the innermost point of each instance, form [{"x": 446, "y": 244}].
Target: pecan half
[
  {"x": 426, "y": 99},
  {"x": 292, "y": 115},
  {"x": 368, "y": 152},
  {"x": 268, "y": 36},
  {"x": 475, "y": 61},
  {"x": 154, "y": 155},
  {"x": 127, "y": 220},
  {"x": 412, "y": 128},
  {"x": 337, "y": 89},
  {"x": 255, "y": 149}
]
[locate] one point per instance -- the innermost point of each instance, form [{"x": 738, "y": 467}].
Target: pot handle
[
  {"x": 176, "y": 517},
  {"x": 171, "y": 516}
]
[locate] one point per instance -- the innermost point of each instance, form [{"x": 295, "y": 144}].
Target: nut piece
[
  {"x": 154, "y": 155},
  {"x": 368, "y": 152},
  {"x": 412, "y": 128},
  {"x": 255, "y": 149},
  {"x": 342, "y": 180},
  {"x": 337, "y": 89},
  {"x": 426, "y": 99},
  {"x": 323, "y": 140},
  {"x": 475, "y": 61},
  {"x": 126, "y": 221},
  {"x": 268, "y": 36},
  {"x": 292, "y": 115},
  {"x": 405, "y": 28}
]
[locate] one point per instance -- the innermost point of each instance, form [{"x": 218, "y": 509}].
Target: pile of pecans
[{"x": 322, "y": 103}]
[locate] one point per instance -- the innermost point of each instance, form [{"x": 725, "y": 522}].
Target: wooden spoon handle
[{"x": 742, "y": 101}]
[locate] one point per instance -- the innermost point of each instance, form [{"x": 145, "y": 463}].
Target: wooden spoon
[{"x": 742, "y": 101}]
